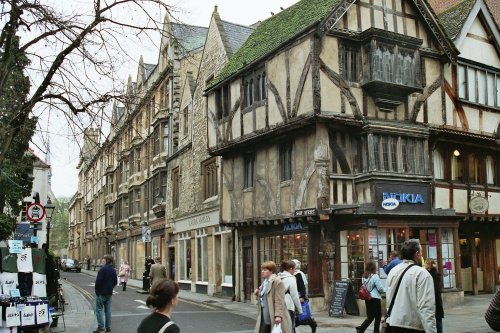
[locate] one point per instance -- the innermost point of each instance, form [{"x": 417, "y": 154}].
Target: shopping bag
[
  {"x": 42, "y": 314},
  {"x": 12, "y": 316},
  {"x": 306, "y": 311},
  {"x": 25, "y": 261},
  {"x": 28, "y": 316},
  {"x": 39, "y": 285},
  {"x": 385, "y": 327},
  {"x": 277, "y": 329},
  {"x": 9, "y": 282}
]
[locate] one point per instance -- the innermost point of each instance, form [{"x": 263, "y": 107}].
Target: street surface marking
[
  {"x": 140, "y": 301},
  {"x": 199, "y": 304}
]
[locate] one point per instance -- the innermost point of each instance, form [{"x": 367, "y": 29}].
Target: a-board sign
[{"x": 343, "y": 297}]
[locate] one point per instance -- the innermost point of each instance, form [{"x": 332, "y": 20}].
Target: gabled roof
[
  {"x": 440, "y": 6},
  {"x": 190, "y": 37},
  {"x": 274, "y": 32},
  {"x": 236, "y": 35},
  {"x": 148, "y": 70},
  {"x": 454, "y": 17}
]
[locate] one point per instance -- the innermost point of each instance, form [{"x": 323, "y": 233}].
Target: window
[
  {"x": 137, "y": 208},
  {"x": 474, "y": 168},
  {"x": 490, "y": 170},
  {"x": 163, "y": 179},
  {"x": 457, "y": 167},
  {"x": 396, "y": 65},
  {"x": 165, "y": 133},
  {"x": 210, "y": 184},
  {"x": 156, "y": 141},
  {"x": 184, "y": 257},
  {"x": 438, "y": 163},
  {"x": 138, "y": 160},
  {"x": 448, "y": 255},
  {"x": 111, "y": 217},
  {"x": 249, "y": 176},
  {"x": 249, "y": 88},
  {"x": 153, "y": 106},
  {"x": 224, "y": 249},
  {"x": 125, "y": 206},
  {"x": 350, "y": 63},
  {"x": 175, "y": 187},
  {"x": 126, "y": 174},
  {"x": 185, "y": 120},
  {"x": 261, "y": 86},
  {"x": 478, "y": 85},
  {"x": 286, "y": 161},
  {"x": 387, "y": 155},
  {"x": 223, "y": 102},
  {"x": 201, "y": 255}
]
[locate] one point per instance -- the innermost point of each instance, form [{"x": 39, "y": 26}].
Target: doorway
[{"x": 248, "y": 285}]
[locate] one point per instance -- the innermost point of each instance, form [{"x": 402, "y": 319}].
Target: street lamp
[{"x": 49, "y": 210}]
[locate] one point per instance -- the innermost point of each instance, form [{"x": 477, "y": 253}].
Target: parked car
[{"x": 71, "y": 265}]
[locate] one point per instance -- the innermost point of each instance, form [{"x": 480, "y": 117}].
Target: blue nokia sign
[{"x": 410, "y": 198}]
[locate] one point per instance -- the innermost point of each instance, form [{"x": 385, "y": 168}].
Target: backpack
[{"x": 363, "y": 292}]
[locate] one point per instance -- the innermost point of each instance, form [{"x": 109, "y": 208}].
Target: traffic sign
[{"x": 35, "y": 212}]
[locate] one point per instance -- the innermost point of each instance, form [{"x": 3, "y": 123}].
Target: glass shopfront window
[
  {"x": 448, "y": 255},
  {"x": 352, "y": 257},
  {"x": 223, "y": 255},
  {"x": 284, "y": 247},
  {"x": 184, "y": 256},
  {"x": 201, "y": 255},
  {"x": 381, "y": 242}
]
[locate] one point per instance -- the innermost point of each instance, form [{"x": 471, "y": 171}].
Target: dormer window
[
  {"x": 254, "y": 89},
  {"x": 478, "y": 84}
]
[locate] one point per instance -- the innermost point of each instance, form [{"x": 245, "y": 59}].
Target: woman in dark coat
[{"x": 430, "y": 266}]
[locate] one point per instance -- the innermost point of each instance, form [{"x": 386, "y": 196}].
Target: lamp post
[{"x": 49, "y": 210}]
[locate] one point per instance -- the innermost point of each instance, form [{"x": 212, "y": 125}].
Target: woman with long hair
[
  {"x": 371, "y": 280},
  {"x": 163, "y": 298}
]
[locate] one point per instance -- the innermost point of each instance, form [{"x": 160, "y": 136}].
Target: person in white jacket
[
  {"x": 292, "y": 299},
  {"x": 414, "y": 306}
]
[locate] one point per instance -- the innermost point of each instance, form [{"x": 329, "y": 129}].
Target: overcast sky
[{"x": 65, "y": 149}]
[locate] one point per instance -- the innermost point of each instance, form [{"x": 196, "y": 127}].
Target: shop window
[
  {"x": 249, "y": 171},
  {"x": 381, "y": 242},
  {"x": 286, "y": 161},
  {"x": 224, "y": 252},
  {"x": 448, "y": 255},
  {"x": 201, "y": 255},
  {"x": 210, "y": 184},
  {"x": 284, "y": 247},
  {"x": 184, "y": 269},
  {"x": 352, "y": 258}
]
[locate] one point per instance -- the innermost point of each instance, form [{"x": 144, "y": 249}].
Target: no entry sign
[{"x": 35, "y": 212}]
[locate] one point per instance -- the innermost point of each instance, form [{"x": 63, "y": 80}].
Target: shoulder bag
[
  {"x": 164, "y": 328},
  {"x": 386, "y": 328},
  {"x": 363, "y": 292}
]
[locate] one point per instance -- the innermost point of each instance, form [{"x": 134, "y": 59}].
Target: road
[{"x": 129, "y": 308}]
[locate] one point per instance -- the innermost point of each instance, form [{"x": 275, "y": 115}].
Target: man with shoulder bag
[{"x": 410, "y": 294}]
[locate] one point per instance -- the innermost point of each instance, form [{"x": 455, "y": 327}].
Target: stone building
[{"x": 332, "y": 120}]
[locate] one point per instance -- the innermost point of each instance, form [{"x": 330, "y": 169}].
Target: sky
[{"x": 65, "y": 148}]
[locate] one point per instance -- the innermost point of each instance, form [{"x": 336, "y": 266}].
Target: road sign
[
  {"x": 35, "y": 212},
  {"x": 146, "y": 234}
]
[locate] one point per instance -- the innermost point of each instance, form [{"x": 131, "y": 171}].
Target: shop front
[
  {"x": 401, "y": 211},
  {"x": 203, "y": 261}
]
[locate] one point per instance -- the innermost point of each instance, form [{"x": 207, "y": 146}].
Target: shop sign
[
  {"x": 292, "y": 227},
  {"x": 197, "y": 221},
  {"x": 478, "y": 205},
  {"x": 402, "y": 197},
  {"x": 306, "y": 212}
]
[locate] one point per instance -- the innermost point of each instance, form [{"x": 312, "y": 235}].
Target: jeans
[
  {"x": 373, "y": 311},
  {"x": 439, "y": 325},
  {"x": 100, "y": 302},
  {"x": 292, "y": 316}
]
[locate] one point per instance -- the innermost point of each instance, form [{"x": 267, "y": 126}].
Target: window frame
[
  {"x": 210, "y": 178},
  {"x": 286, "y": 161},
  {"x": 249, "y": 171},
  {"x": 176, "y": 179},
  {"x": 466, "y": 68}
]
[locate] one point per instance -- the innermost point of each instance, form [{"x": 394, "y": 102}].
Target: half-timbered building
[{"x": 332, "y": 120}]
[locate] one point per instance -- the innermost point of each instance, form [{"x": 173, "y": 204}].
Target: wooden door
[{"x": 248, "y": 268}]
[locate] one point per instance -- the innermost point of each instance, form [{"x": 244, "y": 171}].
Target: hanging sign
[
  {"x": 146, "y": 234},
  {"x": 15, "y": 246}
]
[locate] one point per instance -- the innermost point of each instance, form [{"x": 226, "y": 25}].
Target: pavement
[{"x": 465, "y": 318}]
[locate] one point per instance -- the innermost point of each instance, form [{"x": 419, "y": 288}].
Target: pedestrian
[
  {"x": 292, "y": 299},
  {"x": 414, "y": 306},
  {"x": 372, "y": 282},
  {"x": 271, "y": 306},
  {"x": 302, "y": 287},
  {"x": 492, "y": 315},
  {"x": 105, "y": 281},
  {"x": 148, "y": 264},
  {"x": 158, "y": 271},
  {"x": 430, "y": 266},
  {"x": 391, "y": 262},
  {"x": 123, "y": 274},
  {"x": 163, "y": 299}
]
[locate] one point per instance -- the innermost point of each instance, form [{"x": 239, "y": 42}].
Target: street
[{"x": 129, "y": 308}]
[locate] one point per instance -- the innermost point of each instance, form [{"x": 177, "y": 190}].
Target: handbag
[
  {"x": 363, "y": 292},
  {"x": 306, "y": 311},
  {"x": 121, "y": 274},
  {"x": 277, "y": 329},
  {"x": 164, "y": 328},
  {"x": 386, "y": 328}
]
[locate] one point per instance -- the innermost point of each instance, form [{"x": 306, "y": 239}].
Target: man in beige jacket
[{"x": 158, "y": 271}]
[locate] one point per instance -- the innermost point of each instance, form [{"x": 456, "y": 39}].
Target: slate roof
[
  {"x": 274, "y": 32},
  {"x": 454, "y": 17},
  {"x": 236, "y": 35},
  {"x": 148, "y": 70},
  {"x": 190, "y": 37},
  {"x": 440, "y": 6}
]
